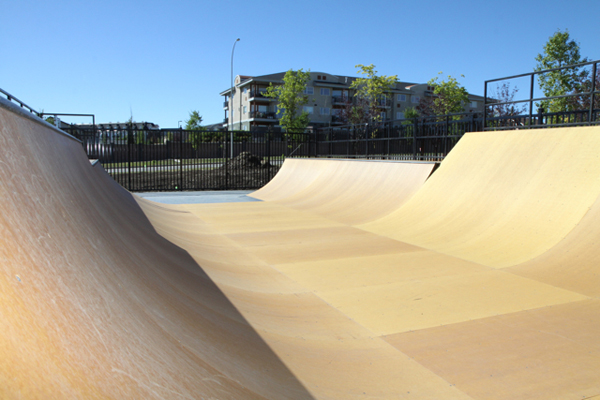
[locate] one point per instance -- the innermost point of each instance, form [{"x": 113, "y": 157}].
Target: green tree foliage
[
  {"x": 291, "y": 98},
  {"x": 411, "y": 113},
  {"x": 449, "y": 96},
  {"x": 140, "y": 137},
  {"x": 194, "y": 121},
  {"x": 371, "y": 93},
  {"x": 198, "y": 133},
  {"x": 50, "y": 120},
  {"x": 559, "y": 51}
]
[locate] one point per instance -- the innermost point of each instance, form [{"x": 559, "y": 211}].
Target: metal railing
[
  {"x": 263, "y": 114},
  {"x": 425, "y": 138},
  {"x": 142, "y": 159},
  {"x": 536, "y": 121},
  {"x": 12, "y": 98}
]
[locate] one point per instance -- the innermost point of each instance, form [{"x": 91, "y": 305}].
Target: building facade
[{"x": 329, "y": 96}]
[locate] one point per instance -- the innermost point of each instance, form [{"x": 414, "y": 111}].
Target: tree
[
  {"x": 560, "y": 51},
  {"x": 291, "y": 98},
  {"x": 504, "y": 94},
  {"x": 410, "y": 115},
  {"x": 582, "y": 101},
  {"x": 370, "y": 95},
  {"x": 194, "y": 121},
  {"x": 449, "y": 96},
  {"x": 198, "y": 134}
]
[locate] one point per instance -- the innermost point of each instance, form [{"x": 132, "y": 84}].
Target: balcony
[
  {"x": 340, "y": 100},
  {"x": 263, "y": 115},
  {"x": 336, "y": 119},
  {"x": 226, "y": 105},
  {"x": 259, "y": 95}
]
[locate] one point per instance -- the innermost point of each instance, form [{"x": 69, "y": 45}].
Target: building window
[
  {"x": 324, "y": 110},
  {"x": 399, "y": 115},
  {"x": 382, "y": 115},
  {"x": 309, "y": 109},
  {"x": 415, "y": 99},
  {"x": 245, "y": 110},
  {"x": 473, "y": 104},
  {"x": 309, "y": 90},
  {"x": 325, "y": 92},
  {"x": 401, "y": 97}
]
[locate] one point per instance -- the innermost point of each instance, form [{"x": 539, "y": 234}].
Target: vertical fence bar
[
  {"x": 180, "y": 158},
  {"x": 591, "y": 114},
  {"x": 225, "y": 156},
  {"x": 485, "y": 102},
  {"x": 129, "y": 147},
  {"x": 415, "y": 124},
  {"x": 531, "y": 100}
]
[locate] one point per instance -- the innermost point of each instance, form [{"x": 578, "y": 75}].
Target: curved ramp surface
[
  {"x": 502, "y": 198},
  {"x": 95, "y": 304},
  {"x": 106, "y": 295},
  {"x": 346, "y": 191}
]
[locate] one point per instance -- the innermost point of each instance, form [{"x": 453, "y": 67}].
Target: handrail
[
  {"x": 593, "y": 92},
  {"x": 12, "y": 98}
]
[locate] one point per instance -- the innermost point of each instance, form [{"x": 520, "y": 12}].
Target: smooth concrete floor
[{"x": 199, "y": 197}]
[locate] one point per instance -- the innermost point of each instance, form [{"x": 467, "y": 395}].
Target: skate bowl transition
[{"x": 350, "y": 280}]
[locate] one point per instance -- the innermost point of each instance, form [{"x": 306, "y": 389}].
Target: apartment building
[{"x": 329, "y": 95}]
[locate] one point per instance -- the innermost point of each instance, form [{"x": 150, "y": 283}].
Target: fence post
[
  {"x": 540, "y": 117},
  {"x": 415, "y": 126},
  {"x": 130, "y": 142},
  {"x": 367, "y": 140},
  {"x": 180, "y": 158},
  {"x": 591, "y": 114},
  {"x": 225, "y": 152}
]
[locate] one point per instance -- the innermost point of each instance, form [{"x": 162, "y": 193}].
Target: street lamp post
[{"x": 231, "y": 98}]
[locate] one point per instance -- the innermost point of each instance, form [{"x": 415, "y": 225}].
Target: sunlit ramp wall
[
  {"x": 95, "y": 304},
  {"x": 347, "y": 191}
]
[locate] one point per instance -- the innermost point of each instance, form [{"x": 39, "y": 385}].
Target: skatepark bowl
[{"x": 347, "y": 280}]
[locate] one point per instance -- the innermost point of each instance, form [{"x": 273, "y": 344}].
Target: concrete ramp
[{"x": 481, "y": 283}]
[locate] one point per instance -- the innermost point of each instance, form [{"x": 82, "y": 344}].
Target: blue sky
[{"x": 158, "y": 60}]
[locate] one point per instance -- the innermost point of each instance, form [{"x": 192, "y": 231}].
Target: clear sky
[{"x": 158, "y": 60}]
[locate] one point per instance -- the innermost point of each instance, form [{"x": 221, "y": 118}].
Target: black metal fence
[
  {"x": 176, "y": 159},
  {"x": 582, "y": 102},
  {"x": 426, "y": 138}
]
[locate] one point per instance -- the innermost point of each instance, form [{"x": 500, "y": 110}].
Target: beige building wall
[{"x": 250, "y": 109}]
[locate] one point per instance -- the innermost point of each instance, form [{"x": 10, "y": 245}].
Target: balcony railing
[
  {"x": 263, "y": 114},
  {"x": 341, "y": 100},
  {"x": 336, "y": 119},
  {"x": 260, "y": 95},
  {"x": 225, "y": 104}
]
